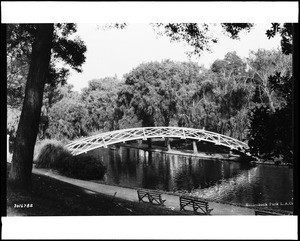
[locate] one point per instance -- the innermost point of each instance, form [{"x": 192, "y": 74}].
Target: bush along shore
[{"x": 52, "y": 154}]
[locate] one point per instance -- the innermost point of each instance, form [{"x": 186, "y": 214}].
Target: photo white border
[
  {"x": 137, "y": 12},
  {"x": 149, "y": 227}
]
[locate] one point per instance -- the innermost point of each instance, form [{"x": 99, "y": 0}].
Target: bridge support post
[
  {"x": 149, "y": 141},
  {"x": 195, "y": 149},
  {"x": 168, "y": 144}
]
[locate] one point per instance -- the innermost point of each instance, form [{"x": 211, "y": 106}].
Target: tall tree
[
  {"x": 67, "y": 52},
  {"x": 45, "y": 44},
  {"x": 151, "y": 90},
  {"x": 100, "y": 99},
  {"x": 228, "y": 99},
  {"x": 21, "y": 166},
  {"x": 264, "y": 63},
  {"x": 66, "y": 118},
  {"x": 271, "y": 131}
]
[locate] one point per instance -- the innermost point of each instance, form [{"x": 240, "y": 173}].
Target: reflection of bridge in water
[{"x": 143, "y": 133}]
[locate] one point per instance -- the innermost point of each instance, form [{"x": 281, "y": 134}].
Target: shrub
[
  {"x": 52, "y": 154},
  {"x": 84, "y": 167},
  {"x": 49, "y": 153}
]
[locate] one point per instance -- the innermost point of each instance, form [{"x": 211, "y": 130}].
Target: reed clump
[
  {"x": 53, "y": 155},
  {"x": 50, "y": 153}
]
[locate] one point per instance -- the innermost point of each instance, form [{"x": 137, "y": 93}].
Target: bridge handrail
[
  {"x": 157, "y": 127},
  {"x": 186, "y": 134}
]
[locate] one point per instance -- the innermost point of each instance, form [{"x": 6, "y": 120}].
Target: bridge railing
[{"x": 119, "y": 136}]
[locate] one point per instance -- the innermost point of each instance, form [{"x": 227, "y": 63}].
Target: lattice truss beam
[{"x": 109, "y": 138}]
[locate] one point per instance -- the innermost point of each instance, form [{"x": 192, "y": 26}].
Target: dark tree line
[{"x": 221, "y": 98}]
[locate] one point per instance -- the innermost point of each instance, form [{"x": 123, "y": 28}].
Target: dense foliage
[
  {"x": 271, "y": 132},
  {"x": 67, "y": 52},
  {"x": 199, "y": 37},
  {"x": 66, "y": 119},
  {"x": 272, "y": 127},
  {"x": 169, "y": 93},
  {"x": 99, "y": 99},
  {"x": 42, "y": 47},
  {"x": 155, "y": 91},
  {"x": 52, "y": 154}
]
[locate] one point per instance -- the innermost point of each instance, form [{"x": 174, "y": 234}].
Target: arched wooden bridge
[{"x": 109, "y": 138}]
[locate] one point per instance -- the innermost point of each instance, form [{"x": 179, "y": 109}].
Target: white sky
[{"x": 116, "y": 52}]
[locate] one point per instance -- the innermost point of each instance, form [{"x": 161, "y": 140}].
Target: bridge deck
[{"x": 109, "y": 138}]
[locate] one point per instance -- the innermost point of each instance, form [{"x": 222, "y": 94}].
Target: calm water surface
[{"x": 213, "y": 179}]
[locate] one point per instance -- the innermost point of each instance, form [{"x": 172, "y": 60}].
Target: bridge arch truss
[{"x": 143, "y": 133}]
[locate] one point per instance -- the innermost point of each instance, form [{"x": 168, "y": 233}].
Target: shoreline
[
  {"x": 219, "y": 157},
  {"x": 129, "y": 193},
  {"x": 123, "y": 192},
  {"x": 263, "y": 207}
]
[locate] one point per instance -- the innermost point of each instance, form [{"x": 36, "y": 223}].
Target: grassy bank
[{"x": 51, "y": 197}]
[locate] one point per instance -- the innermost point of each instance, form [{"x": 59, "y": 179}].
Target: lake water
[{"x": 220, "y": 180}]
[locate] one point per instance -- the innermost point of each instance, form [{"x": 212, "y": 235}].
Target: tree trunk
[
  {"x": 21, "y": 166},
  {"x": 271, "y": 104}
]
